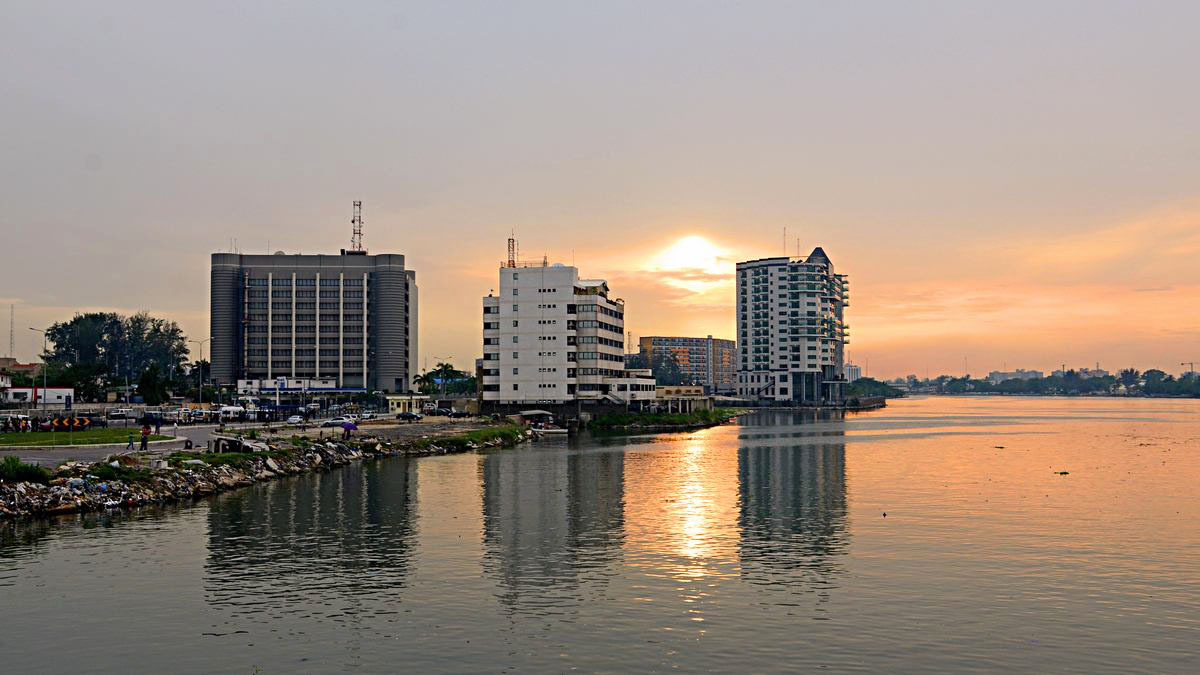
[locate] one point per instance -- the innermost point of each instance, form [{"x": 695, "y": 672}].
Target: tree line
[
  {"x": 98, "y": 351},
  {"x": 1129, "y": 382}
]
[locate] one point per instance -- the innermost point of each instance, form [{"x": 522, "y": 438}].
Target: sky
[{"x": 1006, "y": 184}]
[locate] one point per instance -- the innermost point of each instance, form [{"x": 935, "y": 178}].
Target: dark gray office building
[{"x": 352, "y": 317}]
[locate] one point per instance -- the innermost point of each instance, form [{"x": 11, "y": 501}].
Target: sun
[
  {"x": 693, "y": 264},
  {"x": 692, "y": 252}
]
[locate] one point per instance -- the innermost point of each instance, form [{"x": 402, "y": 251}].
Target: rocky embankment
[{"x": 128, "y": 481}]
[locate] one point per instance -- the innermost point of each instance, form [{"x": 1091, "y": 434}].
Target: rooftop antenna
[
  {"x": 356, "y": 237},
  {"x": 785, "y": 241},
  {"x": 11, "y": 314},
  {"x": 545, "y": 260},
  {"x": 512, "y": 250}
]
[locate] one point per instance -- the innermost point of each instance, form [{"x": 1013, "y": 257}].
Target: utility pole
[
  {"x": 44, "y": 368},
  {"x": 200, "y": 369},
  {"x": 1191, "y": 366}
]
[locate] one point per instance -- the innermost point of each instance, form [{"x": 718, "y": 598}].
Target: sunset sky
[{"x": 1016, "y": 184}]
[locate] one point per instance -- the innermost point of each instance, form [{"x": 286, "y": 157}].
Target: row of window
[{"x": 287, "y": 281}]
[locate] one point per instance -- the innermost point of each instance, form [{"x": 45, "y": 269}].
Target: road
[{"x": 200, "y": 434}]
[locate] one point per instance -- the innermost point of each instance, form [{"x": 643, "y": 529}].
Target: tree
[
  {"x": 633, "y": 361},
  {"x": 426, "y": 383},
  {"x": 116, "y": 347},
  {"x": 151, "y": 387},
  {"x": 1130, "y": 378},
  {"x": 868, "y": 386},
  {"x": 666, "y": 369}
]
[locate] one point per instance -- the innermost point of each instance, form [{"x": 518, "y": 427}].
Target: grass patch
[
  {"x": 234, "y": 459},
  {"x": 618, "y": 420},
  {"x": 507, "y": 433},
  {"x": 126, "y": 473},
  {"x": 13, "y": 470},
  {"x": 89, "y": 437}
]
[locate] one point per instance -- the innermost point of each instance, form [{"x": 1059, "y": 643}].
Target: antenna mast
[
  {"x": 356, "y": 238},
  {"x": 11, "y": 347},
  {"x": 512, "y": 250}
]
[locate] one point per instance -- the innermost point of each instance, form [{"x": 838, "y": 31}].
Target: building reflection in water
[
  {"x": 792, "y": 501},
  {"x": 553, "y": 522},
  {"x": 329, "y": 542}
]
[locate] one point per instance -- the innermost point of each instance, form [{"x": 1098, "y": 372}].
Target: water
[{"x": 753, "y": 547}]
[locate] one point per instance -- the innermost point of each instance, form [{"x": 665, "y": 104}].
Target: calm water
[{"x": 757, "y": 547}]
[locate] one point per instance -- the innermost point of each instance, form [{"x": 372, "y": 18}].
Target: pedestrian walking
[
  {"x": 145, "y": 436},
  {"x": 157, "y": 425},
  {"x": 129, "y": 446}
]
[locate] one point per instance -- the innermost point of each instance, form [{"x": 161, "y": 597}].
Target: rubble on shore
[{"x": 127, "y": 481}]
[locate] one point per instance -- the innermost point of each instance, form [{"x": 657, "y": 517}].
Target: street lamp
[
  {"x": 43, "y": 332},
  {"x": 200, "y": 369}
]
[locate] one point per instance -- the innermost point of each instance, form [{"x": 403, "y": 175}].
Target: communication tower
[
  {"x": 512, "y": 250},
  {"x": 357, "y": 221}
]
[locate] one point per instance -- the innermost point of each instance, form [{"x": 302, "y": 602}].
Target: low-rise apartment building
[
  {"x": 551, "y": 337},
  {"x": 709, "y": 362}
]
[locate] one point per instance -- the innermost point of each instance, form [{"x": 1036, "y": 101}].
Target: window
[
  {"x": 514, "y": 276},
  {"x": 514, "y": 323},
  {"x": 514, "y": 308},
  {"x": 516, "y": 355},
  {"x": 514, "y": 291},
  {"x": 515, "y": 387},
  {"x": 514, "y": 339},
  {"x": 514, "y": 371}
]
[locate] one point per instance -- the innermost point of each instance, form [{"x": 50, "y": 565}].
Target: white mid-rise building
[
  {"x": 791, "y": 329},
  {"x": 551, "y": 337},
  {"x": 853, "y": 372}
]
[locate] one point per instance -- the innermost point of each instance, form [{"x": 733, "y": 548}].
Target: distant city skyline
[{"x": 1009, "y": 184}]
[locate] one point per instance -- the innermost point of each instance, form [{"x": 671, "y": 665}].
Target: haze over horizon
[{"x": 1012, "y": 184}]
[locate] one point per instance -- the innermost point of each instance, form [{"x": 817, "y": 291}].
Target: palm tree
[
  {"x": 425, "y": 382},
  {"x": 446, "y": 372}
]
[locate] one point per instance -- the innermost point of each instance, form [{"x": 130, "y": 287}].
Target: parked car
[
  {"x": 120, "y": 413},
  {"x": 409, "y": 417},
  {"x": 459, "y": 413},
  {"x": 368, "y": 416},
  {"x": 295, "y": 419},
  {"x": 336, "y": 421},
  {"x": 444, "y": 411}
]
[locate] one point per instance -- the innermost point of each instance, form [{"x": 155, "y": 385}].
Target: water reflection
[
  {"x": 792, "y": 513},
  {"x": 327, "y": 542},
  {"x": 553, "y": 521}
]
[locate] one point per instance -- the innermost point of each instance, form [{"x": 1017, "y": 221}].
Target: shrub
[
  {"x": 109, "y": 472},
  {"x": 13, "y": 470}
]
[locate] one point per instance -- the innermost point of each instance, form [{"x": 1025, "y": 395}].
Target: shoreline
[
  {"x": 701, "y": 422},
  {"x": 125, "y": 483}
]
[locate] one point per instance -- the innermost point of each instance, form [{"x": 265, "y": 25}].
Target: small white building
[
  {"x": 853, "y": 372},
  {"x": 400, "y": 403},
  {"x": 36, "y": 396}
]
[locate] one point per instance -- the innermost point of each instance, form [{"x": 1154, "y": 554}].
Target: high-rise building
[
  {"x": 350, "y": 317},
  {"x": 707, "y": 361},
  {"x": 853, "y": 372},
  {"x": 551, "y": 337},
  {"x": 791, "y": 330}
]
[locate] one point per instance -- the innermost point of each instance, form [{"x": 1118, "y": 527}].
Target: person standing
[
  {"x": 145, "y": 436},
  {"x": 175, "y": 429}
]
